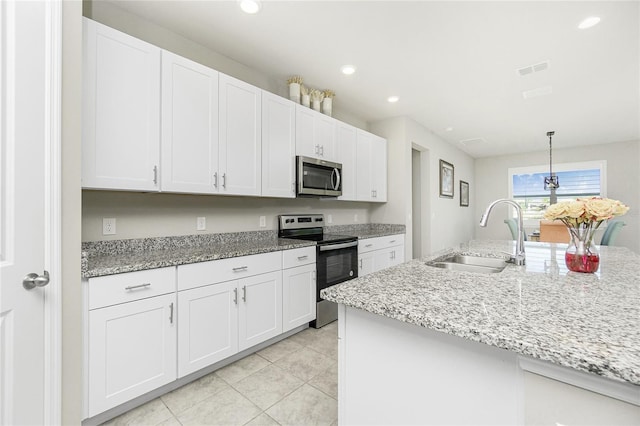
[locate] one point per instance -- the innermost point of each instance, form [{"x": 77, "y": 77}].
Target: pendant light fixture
[{"x": 551, "y": 182}]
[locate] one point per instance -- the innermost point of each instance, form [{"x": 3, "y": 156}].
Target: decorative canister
[
  {"x": 326, "y": 106},
  {"x": 294, "y": 92}
]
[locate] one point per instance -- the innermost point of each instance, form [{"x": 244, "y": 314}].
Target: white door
[
  {"x": 347, "y": 156},
  {"x": 298, "y": 296},
  {"x": 260, "y": 315},
  {"x": 365, "y": 263},
  {"x": 189, "y": 126},
  {"x": 364, "y": 168},
  {"x": 379, "y": 168},
  {"x": 29, "y": 196},
  {"x": 278, "y": 146},
  {"x": 325, "y": 133},
  {"x": 240, "y": 121},
  {"x": 306, "y": 144}
]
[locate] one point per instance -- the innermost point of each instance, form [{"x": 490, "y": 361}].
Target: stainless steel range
[{"x": 336, "y": 258}]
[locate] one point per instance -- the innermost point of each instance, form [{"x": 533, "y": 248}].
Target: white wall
[
  {"x": 140, "y": 215},
  {"x": 623, "y": 180},
  {"x": 444, "y": 223}
]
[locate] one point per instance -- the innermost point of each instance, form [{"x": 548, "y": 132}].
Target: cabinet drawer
[
  {"x": 217, "y": 271},
  {"x": 298, "y": 257},
  {"x": 130, "y": 286},
  {"x": 378, "y": 243}
]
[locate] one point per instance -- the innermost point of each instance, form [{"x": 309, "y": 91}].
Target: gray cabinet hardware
[
  {"x": 244, "y": 293},
  {"x": 240, "y": 268},
  {"x": 171, "y": 313},
  {"x": 135, "y": 287}
]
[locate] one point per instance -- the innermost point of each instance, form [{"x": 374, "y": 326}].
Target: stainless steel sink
[{"x": 465, "y": 263}]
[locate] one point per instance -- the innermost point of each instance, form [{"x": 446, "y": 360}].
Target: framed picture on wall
[
  {"x": 464, "y": 193},
  {"x": 446, "y": 179}
]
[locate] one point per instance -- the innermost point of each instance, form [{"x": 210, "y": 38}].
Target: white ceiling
[{"x": 453, "y": 64}]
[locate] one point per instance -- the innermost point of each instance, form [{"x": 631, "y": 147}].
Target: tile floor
[{"x": 292, "y": 382}]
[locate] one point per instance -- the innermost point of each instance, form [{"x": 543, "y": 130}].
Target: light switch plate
[
  {"x": 329, "y": 218},
  {"x": 263, "y": 222},
  {"x": 201, "y": 223}
]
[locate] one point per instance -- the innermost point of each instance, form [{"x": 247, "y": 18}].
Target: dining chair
[
  {"x": 513, "y": 227},
  {"x": 611, "y": 233}
]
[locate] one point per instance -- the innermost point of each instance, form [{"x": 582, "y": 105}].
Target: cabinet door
[
  {"x": 278, "y": 146},
  {"x": 306, "y": 144},
  {"x": 365, "y": 263},
  {"x": 132, "y": 350},
  {"x": 364, "y": 170},
  {"x": 325, "y": 135},
  {"x": 379, "y": 168},
  {"x": 298, "y": 296},
  {"x": 207, "y": 326},
  {"x": 397, "y": 255},
  {"x": 382, "y": 259},
  {"x": 240, "y": 135},
  {"x": 260, "y": 316},
  {"x": 346, "y": 154},
  {"x": 121, "y": 110},
  {"x": 189, "y": 126}
]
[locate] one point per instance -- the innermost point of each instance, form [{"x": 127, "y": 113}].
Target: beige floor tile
[
  {"x": 151, "y": 413},
  {"x": 305, "y": 363},
  {"x": 268, "y": 386},
  {"x": 326, "y": 343},
  {"x": 278, "y": 350},
  {"x": 305, "y": 406},
  {"x": 327, "y": 382},
  {"x": 331, "y": 328},
  {"x": 189, "y": 395},
  {"x": 171, "y": 422},
  {"x": 306, "y": 336},
  {"x": 224, "y": 408},
  {"x": 242, "y": 368},
  {"x": 263, "y": 420}
]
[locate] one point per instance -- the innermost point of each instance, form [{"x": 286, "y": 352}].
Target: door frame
[{"x": 53, "y": 214}]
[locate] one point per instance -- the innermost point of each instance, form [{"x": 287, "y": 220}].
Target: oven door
[
  {"x": 318, "y": 178},
  {"x": 335, "y": 263}
]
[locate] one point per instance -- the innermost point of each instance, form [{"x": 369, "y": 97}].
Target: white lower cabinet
[
  {"x": 219, "y": 319},
  {"x": 299, "y": 296},
  {"x": 207, "y": 326},
  {"x": 375, "y": 254},
  {"x": 132, "y": 350}
]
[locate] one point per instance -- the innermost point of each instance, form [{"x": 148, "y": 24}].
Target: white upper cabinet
[
  {"x": 121, "y": 107},
  {"x": 278, "y": 146},
  {"x": 315, "y": 134},
  {"x": 371, "y": 178},
  {"x": 346, "y": 152},
  {"x": 189, "y": 126},
  {"x": 240, "y": 137}
]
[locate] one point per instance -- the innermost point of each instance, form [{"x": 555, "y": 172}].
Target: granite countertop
[
  {"x": 588, "y": 322},
  {"x": 119, "y": 256}
]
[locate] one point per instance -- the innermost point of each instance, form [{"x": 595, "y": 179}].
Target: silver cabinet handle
[
  {"x": 360, "y": 263},
  {"x": 322, "y": 150},
  {"x": 155, "y": 175},
  {"x": 244, "y": 293},
  {"x": 305, "y": 257},
  {"x": 215, "y": 180},
  {"x": 368, "y": 245},
  {"x": 224, "y": 180},
  {"x": 240, "y": 268},
  {"x": 235, "y": 296},
  {"x": 134, "y": 287},
  {"x": 317, "y": 149},
  {"x": 171, "y": 313},
  {"x": 392, "y": 241},
  {"x": 34, "y": 280}
]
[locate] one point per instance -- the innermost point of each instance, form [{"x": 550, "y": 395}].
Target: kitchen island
[{"x": 532, "y": 344}]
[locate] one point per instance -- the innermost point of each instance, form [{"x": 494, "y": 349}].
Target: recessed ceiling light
[
  {"x": 393, "y": 99},
  {"x": 348, "y": 69},
  {"x": 250, "y": 6},
  {"x": 448, "y": 129},
  {"x": 589, "y": 22}
]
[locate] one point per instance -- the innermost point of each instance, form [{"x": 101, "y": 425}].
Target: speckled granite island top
[
  {"x": 119, "y": 256},
  {"x": 588, "y": 322}
]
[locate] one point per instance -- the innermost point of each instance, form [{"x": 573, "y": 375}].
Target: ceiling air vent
[
  {"x": 530, "y": 69},
  {"x": 472, "y": 142}
]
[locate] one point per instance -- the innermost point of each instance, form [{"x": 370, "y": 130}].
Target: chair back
[
  {"x": 513, "y": 227},
  {"x": 611, "y": 233}
]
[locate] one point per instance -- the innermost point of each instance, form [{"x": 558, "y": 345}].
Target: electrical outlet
[
  {"x": 201, "y": 223},
  {"x": 263, "y": 222},
  {"x": 355, "y": 217},
  {"x": 329, "y": 218},
  {"x": 108, "y": 226}
]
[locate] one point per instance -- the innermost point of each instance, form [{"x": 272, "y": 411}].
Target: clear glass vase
[{"x": 582, "y": 255}]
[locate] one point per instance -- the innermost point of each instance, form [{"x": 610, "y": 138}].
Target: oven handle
[{"x": 338, "y": 246}]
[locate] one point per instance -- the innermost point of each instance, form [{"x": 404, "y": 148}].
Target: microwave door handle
[{"x": 337, "y": 173}]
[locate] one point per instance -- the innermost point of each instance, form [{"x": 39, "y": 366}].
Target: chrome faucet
[{"x": 518, "y": 258}]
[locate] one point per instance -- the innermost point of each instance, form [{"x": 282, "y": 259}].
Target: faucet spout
[{"x": 519, "y": 257}]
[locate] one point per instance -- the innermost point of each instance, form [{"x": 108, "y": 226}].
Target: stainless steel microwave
[{"x": 318, "y": 178}]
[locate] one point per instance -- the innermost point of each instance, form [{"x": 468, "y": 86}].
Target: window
[{"x": 577, "y": 180}]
